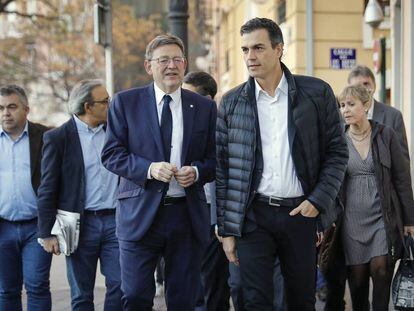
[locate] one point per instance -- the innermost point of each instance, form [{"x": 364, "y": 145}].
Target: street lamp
[
  {"x": 178, "y": 21},
  {"x": 373, "y": 14},
  {"x": 103, "y": 36}
]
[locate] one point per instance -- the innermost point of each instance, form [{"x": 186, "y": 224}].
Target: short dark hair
[
  {"x": 203, "y": 82},
  {"x": 13, "y": 89},
  {"x": 361, "y": 71},
  {"x": 273, "y": 30},
  {"x": 161, "y": 40}
]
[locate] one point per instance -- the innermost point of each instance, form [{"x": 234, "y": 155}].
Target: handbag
[
  {"x": 330, "y": 252},
  {"x": 403, "y": 282}
]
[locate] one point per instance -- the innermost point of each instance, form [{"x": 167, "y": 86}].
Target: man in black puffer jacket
[{"x": 281, "y": 158}]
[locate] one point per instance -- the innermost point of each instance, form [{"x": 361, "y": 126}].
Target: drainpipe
[{"x": 309, "y": 37}]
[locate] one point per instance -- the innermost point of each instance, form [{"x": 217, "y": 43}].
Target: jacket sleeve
[
  {"x": 399, "y": 128},
  {"x": 48, "y": 192},
  {"x": 222, "y": 166},
  {"x": 333, "y": 160},
  {"x": 115, "y": 154},
  {"x": 401, "y": 179}
]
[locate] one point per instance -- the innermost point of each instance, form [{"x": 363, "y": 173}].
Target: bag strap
[{"x": 408, "y": 243}]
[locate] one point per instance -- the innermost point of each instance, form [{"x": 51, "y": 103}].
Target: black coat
[
  {"x": 316, "y": 140},
  {"x": 63, "y": 176},
  {"x": 392, "y": 173},
  {"x": 393, "y": 118},
  {"x": 35, "y": 145}
]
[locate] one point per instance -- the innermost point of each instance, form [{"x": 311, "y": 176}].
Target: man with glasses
[
  {"x": 74, "y": 180},
  {"x": 160, "y": 140}
]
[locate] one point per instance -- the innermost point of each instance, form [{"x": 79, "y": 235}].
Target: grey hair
[
  {"x": 361, "y": 71},
  {"x": 161, "y": 40},
  {"x": 13, "y": 89},
  {"x": 81, "y": 94}
]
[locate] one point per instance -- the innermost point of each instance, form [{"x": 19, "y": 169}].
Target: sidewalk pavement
[{"x": 61, "y": 292}]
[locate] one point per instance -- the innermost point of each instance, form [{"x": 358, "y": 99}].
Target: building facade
[{"x": 323, "y": 38}]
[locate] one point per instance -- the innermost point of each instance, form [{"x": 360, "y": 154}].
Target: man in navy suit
[{"x": 161, "y": 141}]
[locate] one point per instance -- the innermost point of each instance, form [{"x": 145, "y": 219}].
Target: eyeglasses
[
  {"x": 164, "y": 61},
  {"x": 105, "y": 101}
]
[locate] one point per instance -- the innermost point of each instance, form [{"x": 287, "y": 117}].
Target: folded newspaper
[{"x": 66, "y": 230}]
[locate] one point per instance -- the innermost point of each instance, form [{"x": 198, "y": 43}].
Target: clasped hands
[{"x": 164, "y": 171}]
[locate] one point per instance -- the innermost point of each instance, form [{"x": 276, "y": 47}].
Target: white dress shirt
[
  {"x": 174, "y": 190},
  {"x": 279, "y": 175},
  {"x": 370, "y": 113}
]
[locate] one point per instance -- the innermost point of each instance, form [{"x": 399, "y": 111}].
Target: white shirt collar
[
  {"x": 159, "y": 94},
  {"x": 25, "y": 130},
  {"x": 84, "y": 127},
  {"x": 371, "y": 110},
  {"x": 282, "y": 87}
]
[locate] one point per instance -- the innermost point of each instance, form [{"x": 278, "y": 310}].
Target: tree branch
[{"x": 31, "y": 16}]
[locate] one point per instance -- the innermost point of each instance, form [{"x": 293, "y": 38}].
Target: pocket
[{"x": 130, "y": 193}]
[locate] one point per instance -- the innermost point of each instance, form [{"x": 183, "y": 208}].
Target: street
[{"x": 61, "y": 293}]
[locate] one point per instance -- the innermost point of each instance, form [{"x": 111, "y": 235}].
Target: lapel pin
[{"x": 191, "y": 106}]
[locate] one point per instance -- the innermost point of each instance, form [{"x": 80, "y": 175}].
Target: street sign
[{"x": 343, "y": 58}]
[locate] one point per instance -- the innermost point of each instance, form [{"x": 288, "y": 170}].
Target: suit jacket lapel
[
  {"x": 291, "y": 121},
  {"x": 379, "y": 113},
  {"x": 188, "y": 119},
  {"x": 74, "y": 139},
  {"x": 35, "y": 139},
  {"x": 150, "y": 105}
]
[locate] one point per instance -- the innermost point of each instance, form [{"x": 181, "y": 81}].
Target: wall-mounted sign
[{"x": 342, "y": 58}]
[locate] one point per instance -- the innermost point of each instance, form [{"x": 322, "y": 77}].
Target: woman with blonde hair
[{"x": 377, "y": 199}]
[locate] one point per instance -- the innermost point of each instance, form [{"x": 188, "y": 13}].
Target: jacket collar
[
  {"x": 379, "y": 112},
  {"x": 35, "y": 141},
  {"x": 249, "y": 88},
  {"x": 374, "y": 128},
  {"x": 249, "y": 94}
]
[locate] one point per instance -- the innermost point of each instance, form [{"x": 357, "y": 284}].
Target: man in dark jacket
[
  {"x": 22, "y": 259},
  {"x": 74, "y": 180},
  {"x": 281, "y": 158},
  {"x": 380, "y": 112}
]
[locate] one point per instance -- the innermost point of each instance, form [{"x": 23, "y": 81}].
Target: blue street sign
[{"x": 343, "y": 58}]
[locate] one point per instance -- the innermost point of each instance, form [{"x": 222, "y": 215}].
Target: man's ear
[
  {"x": 86, "y": 106},
  {"x": 279, "y": 49},
  {"x": 27, "y": 109},
  {"x": 148, "y": 66}
]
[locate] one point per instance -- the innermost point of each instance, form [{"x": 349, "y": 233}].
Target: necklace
[
  {"x": 365, "y": 133},
  {"x": 361, "y": 133}
]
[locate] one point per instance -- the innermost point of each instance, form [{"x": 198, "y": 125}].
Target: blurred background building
[
  {"x": 47, "y": 45},
  {"x": 325, "y": 38}
]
